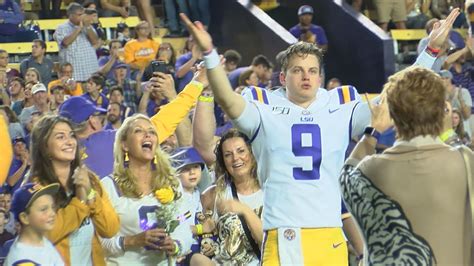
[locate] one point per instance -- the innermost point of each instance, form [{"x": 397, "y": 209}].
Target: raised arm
[
  {"x": 204, "y": 127},
  {"x": 232, "y": 103},
  {"x": 7, "y": 150},
  {"x": 171, "y": 114}
]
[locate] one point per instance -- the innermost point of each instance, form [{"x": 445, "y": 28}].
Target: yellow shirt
[
  {"x": 140, "y": 53},
  {"x": 7, "y": 150},
  {"x": 76, "y": 92}
]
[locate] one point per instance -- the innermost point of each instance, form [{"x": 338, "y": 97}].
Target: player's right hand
[{"x": 201, "y": 36}]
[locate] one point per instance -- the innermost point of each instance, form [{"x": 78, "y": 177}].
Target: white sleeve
[
  {"x": 466, "y": 96},
  {"x": 425, "y": 60},
  {"x": 111, "y": 246},
  {"x": 183, "y": 232},
  {"x": 360, "y": 118},
  {"x": 249, "y": 121}
]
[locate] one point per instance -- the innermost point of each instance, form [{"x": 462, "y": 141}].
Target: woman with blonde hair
[
  {"x": 32, "y": 75},
  {"x": 84, "y": 212},
  {"x": 141, "y": 187}
]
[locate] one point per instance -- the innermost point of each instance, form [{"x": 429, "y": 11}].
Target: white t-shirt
[{"x": 21, "y": 253}]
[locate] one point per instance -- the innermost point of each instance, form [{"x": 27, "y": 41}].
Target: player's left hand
[
  {"x": 440, "y": 32},
  {"x": 380, "y": 116}
]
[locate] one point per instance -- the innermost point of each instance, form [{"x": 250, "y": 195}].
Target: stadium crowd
[{"x": 140, "y": 154}]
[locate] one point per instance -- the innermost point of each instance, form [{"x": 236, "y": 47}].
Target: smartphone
[{"x": 159, "y": 66}]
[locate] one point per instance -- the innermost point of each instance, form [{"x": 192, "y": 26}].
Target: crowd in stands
[{"x": 130, "y": 155}]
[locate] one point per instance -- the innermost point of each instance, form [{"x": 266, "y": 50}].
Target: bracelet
[
  {"x": 177, "y": 247},
  {"x": 212, "y": 60},
  {"x": 208, "y": 52},
  {"x": 446, "y": 134},
  {"x": 91, "y": 195},
  {"x": 121, "y": 242},
  {"x": 206, "y": 99},
  {"x": 361, "y": 256},
  {"x": 199, "y": 229},
  {"x": 432, "y": 51}
]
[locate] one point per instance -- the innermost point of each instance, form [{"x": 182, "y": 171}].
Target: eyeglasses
[{"x": 164, "y": 48}]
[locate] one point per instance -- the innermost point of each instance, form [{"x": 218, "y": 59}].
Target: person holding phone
[
  {"x": 84, "y": 211},
  {"x": 167, "y": 56}
]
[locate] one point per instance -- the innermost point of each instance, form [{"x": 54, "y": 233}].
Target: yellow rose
[{"x": 164, "y": 195}]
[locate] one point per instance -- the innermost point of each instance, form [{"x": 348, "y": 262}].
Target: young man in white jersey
[{"x": 299, "y": 139}]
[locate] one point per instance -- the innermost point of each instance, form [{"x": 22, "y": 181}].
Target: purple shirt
[
  {"x": 234, "y": 76},
  {"x": 102, "y": 100},
  {"x": 11, "y": 14},
  {"x": 99, "y": 152},
  {"x": 315, "y": 29},
  {"x": 16, "y": 164},
  {"x": 464, "y": 79},
  {"x": 182, "y": 82},
  {"x": 152, "y": 108}
]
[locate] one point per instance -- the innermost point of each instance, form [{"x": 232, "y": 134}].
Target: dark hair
[
  {"x": 115, "y": 88},
  {"x": 261, "y": 60},
  {"x": 244, "y": 76},
  {"x": 41, "y": 43},
  {"x": 301, "y": 49},
  {"x": 139, "y": 25},
  {"x": 20, "y": 80},
  {"x": 113, "y": 41},
  {"x": 88, "y": 3},
  {"x": 222, "y": 173},
  {"x": 57, "y": 87},
  {"x": 232, "y": 56},
  {"x": 10, "y": 114},
  {"x": 97, "y": 79},
  {"x": 173, "y": 53},
  {"x": 460, "y": 128},
  {"x": 121, "y": 27},
  {"x": 42, "y": 169}
]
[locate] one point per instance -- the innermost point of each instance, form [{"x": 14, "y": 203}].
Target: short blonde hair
[{"x": 416, "y": 101}]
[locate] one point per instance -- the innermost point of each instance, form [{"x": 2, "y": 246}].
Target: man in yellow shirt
[{"x": 73, "y": 88}]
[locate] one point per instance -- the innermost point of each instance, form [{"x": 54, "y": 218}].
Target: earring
[
  {"x": 126, "y": 157},
  {"x": 155, "y": 160}
]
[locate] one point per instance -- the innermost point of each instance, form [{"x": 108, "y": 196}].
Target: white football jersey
[
  {"x": 136, "y": 216},
  {"x": 300, "y": 153}
]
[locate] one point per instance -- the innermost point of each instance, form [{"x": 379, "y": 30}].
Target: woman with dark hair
[
  {"x": 248, "y": 78},
  {"x": 236, "y": 200},
  {"x": 167, "y": 54},
  {"x": 139, "y": 52},
  {"x": 84, "y": 212},
  {"x": 458, "y": 127}
]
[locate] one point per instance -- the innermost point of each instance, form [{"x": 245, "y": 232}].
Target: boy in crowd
[
  {"x": 94, "y": 87},
  {"x": 189, "y": 166},
  {"x": 5, "y": 204},
  {"x": 33, "y": 207}
]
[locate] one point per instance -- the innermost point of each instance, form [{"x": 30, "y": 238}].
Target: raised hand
[
  {"x": 201, "y": 36},
  {"x": 440, "y": 32},
  {"x": 380, "y": 119}
]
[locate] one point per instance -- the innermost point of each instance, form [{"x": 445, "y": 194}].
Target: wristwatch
[{"x": 372, "y": 132}]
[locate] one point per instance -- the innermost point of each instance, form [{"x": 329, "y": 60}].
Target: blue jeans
[
  {"x": 200, "y": 11},
  {"x": 172, "y": 15}
]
